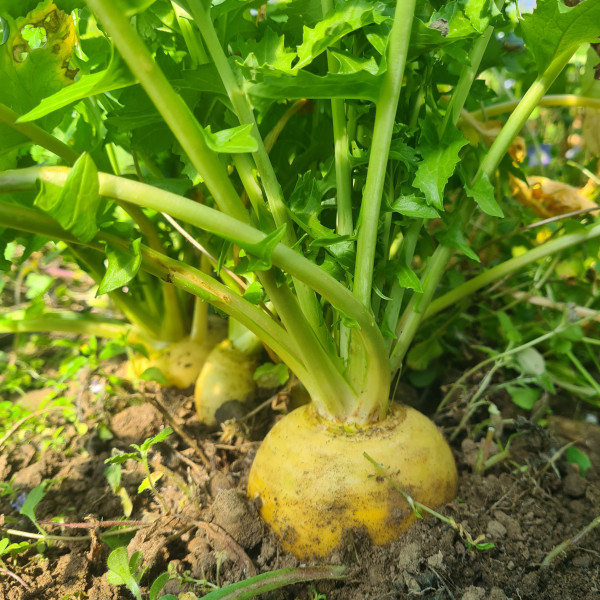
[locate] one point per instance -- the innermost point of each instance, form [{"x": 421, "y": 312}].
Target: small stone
[
  {"x": 511, "y": 565},
  {"x": 513, "y": 527},
  {"x": 495, "y": 529},
  {"x": 474, "y": 593},
  {"x": 496, "y": 594},
  {"x": 582, "y": 561},
  {"x": 574, "y": 485},
  {"x": 436, "y": 561}
]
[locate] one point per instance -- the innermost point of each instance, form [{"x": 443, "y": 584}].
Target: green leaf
[
  {"x": 269, "y": 376},
  {"x": 157, "y": 585},
  {"x": 37, "y": 284},
  {"x": 554, "y": 30},
  {"x": 145, "y": 485},
  {"x": 114, "y": 77},
  {"x": 483, "y": 193},
  {"x": 123, "y": 266},
  {"x": 421, "y": 354},
  {"x": 531, "y": 362},
  {"x": 133, "y": 7},
  {"x": 407, "y": 278},
  {"x": 113, "y": 475},
  {"x": 453, "y": 237},
  {"x": 33, "y": 499},
  {"x": 413, "y": 206},
  {"x": 154, "y": 374},
  {"x": 347, "y": 17},
  {"x": 31, "y": 72},
  {"x": 74, "y": 206},
  {"x": 259, "y": 255},
  {"x": 120, "y": 573},
  {"x": 254, "y": 293},
  {"x": 119, "y": 459},
  {"x": 233, "y": 141},
  {"x": 439, "y": 161},
  {"x": 354, "y": 86},
  {"x": 524, "y": 397},
  {"x": 159, "y": 437},
  {"x": 268, "y": 52},
  {"x": 577, "y": 457}
]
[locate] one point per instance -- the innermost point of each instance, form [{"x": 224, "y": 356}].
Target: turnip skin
[
  {"x": 181, "y": 362},
  {"x": 227, "y": 375},
  {"x": 314, "y": 483}
]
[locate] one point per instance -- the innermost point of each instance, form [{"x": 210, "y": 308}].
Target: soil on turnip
[{"x": 525, "y": 505}]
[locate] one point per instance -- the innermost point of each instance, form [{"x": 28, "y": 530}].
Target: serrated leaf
[
  {"x": 119, "y": 459},
  {"x": 347, "y": 17},
  {"x": 254, "y": 293},
  {"x": 554, "y": 29},
  {"x": 268, "y": 52},
  {"x": 361, "y": 85},
  {"x": 116, "y": 76},
  {"x": 233, "y": 141},
  {"x": 75, "y": 205},
  {"x": 159, "y": 437},
  {"x": 453, "y": 237},
  {"x": 413, "y": 206},
  {"x": 122, "y": 267},
  {"x": 440, "y": 158},
  {"x": 483, "y": 194}
]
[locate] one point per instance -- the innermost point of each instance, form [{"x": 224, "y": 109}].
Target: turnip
[{"x": 338, "y": 300}]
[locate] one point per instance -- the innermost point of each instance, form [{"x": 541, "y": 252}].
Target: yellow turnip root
[
  {"x": 227, "y": 376},
  {"x": 182, "y": 361},
  {"x": 314, "y": 482}
]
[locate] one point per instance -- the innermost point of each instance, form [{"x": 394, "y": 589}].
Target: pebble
[
  {"x": 495, "y": 529},
  {"x": 474, "y": 593},
  {"x": 574, "y": 485}
]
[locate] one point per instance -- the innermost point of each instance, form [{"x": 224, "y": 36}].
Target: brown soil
[{"x": 525, "y": 505}]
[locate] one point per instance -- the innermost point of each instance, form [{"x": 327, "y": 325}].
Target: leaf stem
[
  {"x": 566, "y": 100},
  {"x": 507, "y": 267},
  {"x": 170, "y": 105},
  {"x": 37, "y": 135},
  {"x": 385, "y": 116}
]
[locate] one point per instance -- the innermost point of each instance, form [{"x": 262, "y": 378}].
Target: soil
[{"x": 525, "y": 505}]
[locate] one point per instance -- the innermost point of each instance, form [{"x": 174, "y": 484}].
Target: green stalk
[
  {"x": 375, "y": 384},
  {"x": 328, "y": 390},
  {"x": 566, "y": 100},
  {"x": 385, "y": 117},
  {"x": 506, "y": 268},
  {"x": 436, "y": 266},
  {"x": 200, "y": 314},
  {"x": 243, "y": 110},
  {"x": 179, "y": 274},
  {"x": 37, "y": 135},
  {"x": 80, "y": 324},
  {"x": 170, "y": 105}
]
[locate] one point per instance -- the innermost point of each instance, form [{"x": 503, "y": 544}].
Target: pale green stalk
[
  {"x": 37, "y": 135},
  {"x": 170, "y": 105},
  {"x": 376, "y": 382},
  {"x": 385, "y": 117},
  {"x": 181, "y": 275},
  {"x": 243, "y": 110},
  {"x": 510, "y": 266},
  {"x": 558, "y": 100}
]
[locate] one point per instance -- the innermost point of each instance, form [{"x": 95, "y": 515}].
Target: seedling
[{"x": 141, "y": 456}]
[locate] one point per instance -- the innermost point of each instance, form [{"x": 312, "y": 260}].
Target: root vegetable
[
  {"x": 227, "y": 377},
  {"x": 180, "y": 362},
  {"x": 314, "y": 482}
]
